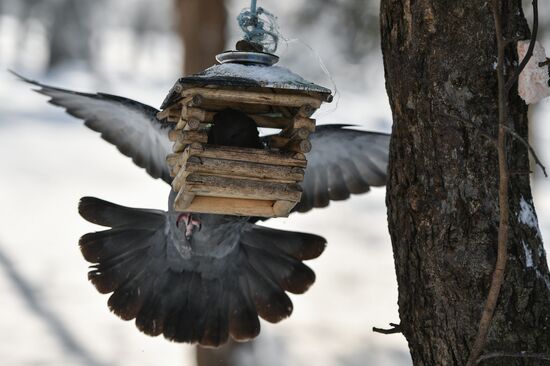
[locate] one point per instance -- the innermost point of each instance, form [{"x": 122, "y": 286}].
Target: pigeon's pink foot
[{"x": 191, "y": 224}]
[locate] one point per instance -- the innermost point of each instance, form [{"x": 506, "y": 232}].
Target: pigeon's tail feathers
[
  {"x": 203, "y": 299},
  {"x": 300, "y": 246},
  {"x": 274, "y": 265},
  {"x": 243, "y": 320},
  {"x": 123, "y": 256}
]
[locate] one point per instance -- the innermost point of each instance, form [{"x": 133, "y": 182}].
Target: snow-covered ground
[{"x": 53, "y": 316}]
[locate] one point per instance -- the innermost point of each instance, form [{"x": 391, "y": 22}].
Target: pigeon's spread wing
[
  {"x": 201, "y": 290},
  {"x": 342, "y": 161},
  {"x": 129, "y": 125}
]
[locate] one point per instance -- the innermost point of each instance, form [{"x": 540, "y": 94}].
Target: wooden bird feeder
[{"x": 241, "y": 181}]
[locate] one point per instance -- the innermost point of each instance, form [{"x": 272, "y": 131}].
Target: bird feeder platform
[{"x": 241, "y": 181}]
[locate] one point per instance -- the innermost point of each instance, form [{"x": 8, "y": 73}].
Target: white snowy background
[{"x": 51, "y": 314}]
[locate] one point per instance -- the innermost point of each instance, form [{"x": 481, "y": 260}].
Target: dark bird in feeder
[
  {"x": 201, "y": 278},
  {"x": 234, "y": 128}
]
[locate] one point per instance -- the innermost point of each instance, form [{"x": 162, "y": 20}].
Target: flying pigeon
[{"x": 202, "y": 278}]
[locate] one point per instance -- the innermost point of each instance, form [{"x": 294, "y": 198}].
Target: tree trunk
[
  {"x": 201, "y": 25},
  {"x": 70, "y": 33},
  {"x": 442, "y": 195}
]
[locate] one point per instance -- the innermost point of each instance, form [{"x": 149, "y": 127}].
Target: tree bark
[
  {"x": 442, "y": 194},
  {"x": 201, "y": 25}
]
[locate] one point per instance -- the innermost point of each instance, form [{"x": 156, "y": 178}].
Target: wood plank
[
  {"x": 231, "y": 206},
  {"x": 283, "y": 208},
  {"x": 215, "y": 106},
  {"x": 237, "y": 169},
  {"x": 183, "y": 200},
  {"x": 179, "y": 180},
  {"x": 209, "y": 185},
  {"x": 262, "y": 156},
  {"x": 239, "y": 96}
]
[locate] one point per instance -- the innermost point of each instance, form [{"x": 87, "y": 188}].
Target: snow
[
  {"x": 533, "y": 80},
  {"x": 267, "y": 76},
  {"x": 528, "y": 255},
  {"x": 527, "y": 216}
]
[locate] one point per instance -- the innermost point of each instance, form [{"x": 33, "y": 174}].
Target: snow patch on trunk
[
  {"x": 527, "y": 216},
  {"x": 528, "y": 255}
]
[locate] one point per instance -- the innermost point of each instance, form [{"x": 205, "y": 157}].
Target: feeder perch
[{"x": 241, "y": 181}]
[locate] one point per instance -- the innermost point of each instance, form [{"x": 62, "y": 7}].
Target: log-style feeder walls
[{"x": 234, "y": 180}]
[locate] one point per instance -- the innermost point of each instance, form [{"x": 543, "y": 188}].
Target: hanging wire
[{"x": 259, "y": 27}]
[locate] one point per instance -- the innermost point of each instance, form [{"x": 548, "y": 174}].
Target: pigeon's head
[{"x": 234, "y": 128}]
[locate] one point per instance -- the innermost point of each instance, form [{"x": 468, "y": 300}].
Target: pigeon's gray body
[
  {"x": 204, "y": 285},
  {"x": 202, "y": 289}
]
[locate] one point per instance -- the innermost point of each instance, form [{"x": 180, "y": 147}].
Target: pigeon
[
  {"x": 202, "y": 278},
  {"x": 231, "y": 127}
]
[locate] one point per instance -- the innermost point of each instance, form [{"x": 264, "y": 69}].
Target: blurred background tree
[{"x": 201, "y": 26}]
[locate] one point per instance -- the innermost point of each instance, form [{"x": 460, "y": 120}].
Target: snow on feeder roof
[
  {"x": 231, "y": 74},
  {"x": 241, "y": 181}
]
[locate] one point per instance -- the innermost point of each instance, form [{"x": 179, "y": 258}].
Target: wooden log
[
  {"x": 230, "y": 206},
  {"x": 173, "y": 112},
  {"x": 283, "y": 208},
  {"x": 178, "y": 147},
  {"x": 175, "y": 161},
  {"x": 170, "y": 113},
  {"x": 271, "y": 122},
  {"x": 188, "y": 137},
  {"x": 262, "y": 156},
  {"x": 307, "y": 110},
  {"x": 290, "y": 144},
  {"x": 299, "y": 156},
  {"x": 181, "y": 124},
  {"x": 237, "y": 169},
  {"x": 300, "y": 133},
  {"x": 278, "y": 142},
  {"x": 183, "y": 200},
  {"x": 196, "y": 100},
  {"x": 208, "y": 116},
  {"x": 241, "y": 96},
  {"x": 179, "y": 181},
  {"x": 173, "y": 135},
  {"x": 197, "y": 113},
  {"x": 303, "y": 122},
  {"x": 297, "y": 145},
  {"x": 191, "y": 124},
  {"x": 215, "y": 106},
  {"x": 209, "y": 185}
]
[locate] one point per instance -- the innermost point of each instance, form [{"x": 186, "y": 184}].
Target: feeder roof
[{"x": 241, "y": 75}]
